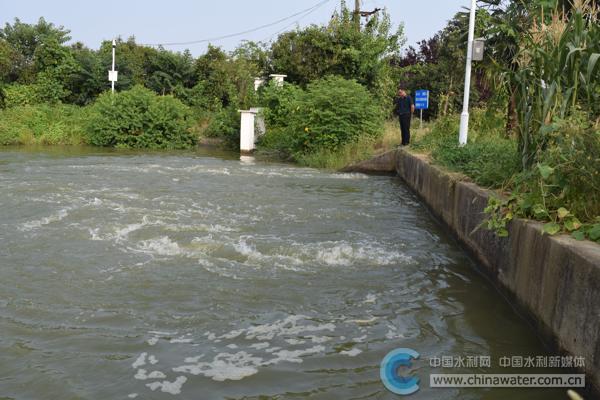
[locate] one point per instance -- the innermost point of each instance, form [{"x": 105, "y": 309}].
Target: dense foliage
[
  {"x": 541, "y": 69},
  {"x": 43, "y": 124},
  {"x": 138, "y": 118},
  {"x": 40, "y": 68},
  {"x": 330, "y": 113},
  {"x": 490, "y": 159}
]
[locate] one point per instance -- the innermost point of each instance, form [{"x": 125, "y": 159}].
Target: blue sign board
[{"x": 422, "y": 99}]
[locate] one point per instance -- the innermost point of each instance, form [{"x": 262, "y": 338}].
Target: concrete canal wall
[{"x": 557, "y": 279}]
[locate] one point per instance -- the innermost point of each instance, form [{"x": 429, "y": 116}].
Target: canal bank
[{"x": 556, "y": 279}]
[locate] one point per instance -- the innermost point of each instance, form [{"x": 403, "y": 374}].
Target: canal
[{"x": 197, "y": 275}]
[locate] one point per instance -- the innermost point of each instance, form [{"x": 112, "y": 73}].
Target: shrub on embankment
[
  {"x": 136, "y": 118},
  {"x": 43, "y": 124},
  {"x": 490, "y": 159},
  {"x": 562, "y": 189},
  {"x": 329, "y": 115},
  {"x": 139, "y": 118}
]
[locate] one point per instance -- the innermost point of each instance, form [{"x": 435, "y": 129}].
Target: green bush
[
  {"x": 225, "y": 124},
  {"x": 193, "y": 97},
  {"x": 138, "y": 118},
  {"x": 279, "y": 102},
  {"x": 44, "y": 90},
  {"x": 20, "y": 95},
  {"x": 331, "y": 113},
  {"x": 568, "y": 170},
  {"x": 43, "y": 124}
]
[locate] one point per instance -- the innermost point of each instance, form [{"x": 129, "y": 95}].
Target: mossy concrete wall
[{"x": 557, "y": 279}]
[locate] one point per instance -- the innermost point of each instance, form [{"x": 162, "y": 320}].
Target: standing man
[{"x": 404, "y": 107}]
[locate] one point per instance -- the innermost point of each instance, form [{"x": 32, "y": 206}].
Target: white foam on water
[
  {"x": 237, "y": 366},
  {"x": 156, "y": 335},
  {"x": 246, "y": 249},
  {"x": 280, "y": 260},
  {"x": 132, "y": 395},
  {"x": 162, "y": 246},
  {"x": 152, "y": 360},
  {"x": 181, "y": 339},
  {"x": 343, "y": 253},
  {"x": 370, "y": 299},
  {"x": 140, "y": 361},
  {"x": 225, "y": 366},
  {"x": 168, "y": 387},
  {"x": 285, "y": 327},
  {"x": 366, "y": 321},
  {"x": 162, "y": 333},
  {"x": 143, "y": 375},
  {"x": 352, "y": 353},
  {"x": 273, "y": 349},
  {"x": 193, "y": 359},
  {"x": 94, "y": 234},
  {"x": 350, "y": 176},
  {"x": 295, "y": 342},
  {"x": 35, "y": 224},
  {"x": 393, "y": 333},
  {"x": 360, "y": 339},
  {"x": 319, "y": 339},
  {"x": 216, "y": 228},
  {"x": 338, "y": 255},
  {"x": 293, "y": 356},
  {"x": 233, "y": 334},
  {"x": 260, "y": 346},
  {"x": 122, "y": 233}
]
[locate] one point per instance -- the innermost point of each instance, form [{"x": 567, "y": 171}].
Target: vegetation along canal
[{"x": 200, "y": 276}]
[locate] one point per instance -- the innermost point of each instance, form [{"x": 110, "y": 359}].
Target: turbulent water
[{"x": 195, "y": 276}]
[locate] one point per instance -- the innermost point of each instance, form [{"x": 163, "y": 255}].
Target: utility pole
[
  {"x": 464, "y": 117},
  {"x": 357, "y": 14},
  {"x": 112, "y": 82}
]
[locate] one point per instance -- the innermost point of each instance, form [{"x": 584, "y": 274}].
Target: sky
[{"x": 175, "y": 21}]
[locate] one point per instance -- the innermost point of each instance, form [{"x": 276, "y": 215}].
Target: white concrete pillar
[
  {"x": 258, "y": 82},
  {"x": 247, "y": 130},
  {"x": 278, "y": 78}
]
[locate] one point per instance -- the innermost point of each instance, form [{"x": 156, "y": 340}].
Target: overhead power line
[
  {"x": 306, "y": 14},
  {"x": 216, "y": 38}
]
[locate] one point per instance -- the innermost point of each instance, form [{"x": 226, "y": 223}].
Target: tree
[
  {"x": 8, "y": 59},
  {"x": 338, "y": 49},
  {"x": 25, "y": 40},
  {"x": 89, "y": 80},
  {"x": 166, "y": 70}
]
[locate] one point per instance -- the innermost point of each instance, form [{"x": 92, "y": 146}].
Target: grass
[
  {"x": 490, "y": 159},
  {"x": 361, "y": 150},
  {"x": 43, "y": 124},
  {"x": 348, "y": 154}
]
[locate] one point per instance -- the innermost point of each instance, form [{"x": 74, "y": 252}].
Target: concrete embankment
[{"x": 556, "y": 279}]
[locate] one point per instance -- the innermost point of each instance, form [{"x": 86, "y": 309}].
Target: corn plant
[{"x": 557, "y": 74}]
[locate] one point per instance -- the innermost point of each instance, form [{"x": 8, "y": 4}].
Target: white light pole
[
  {"x": 112, "y": 74},
  {"x": 464, "y": 117}
]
